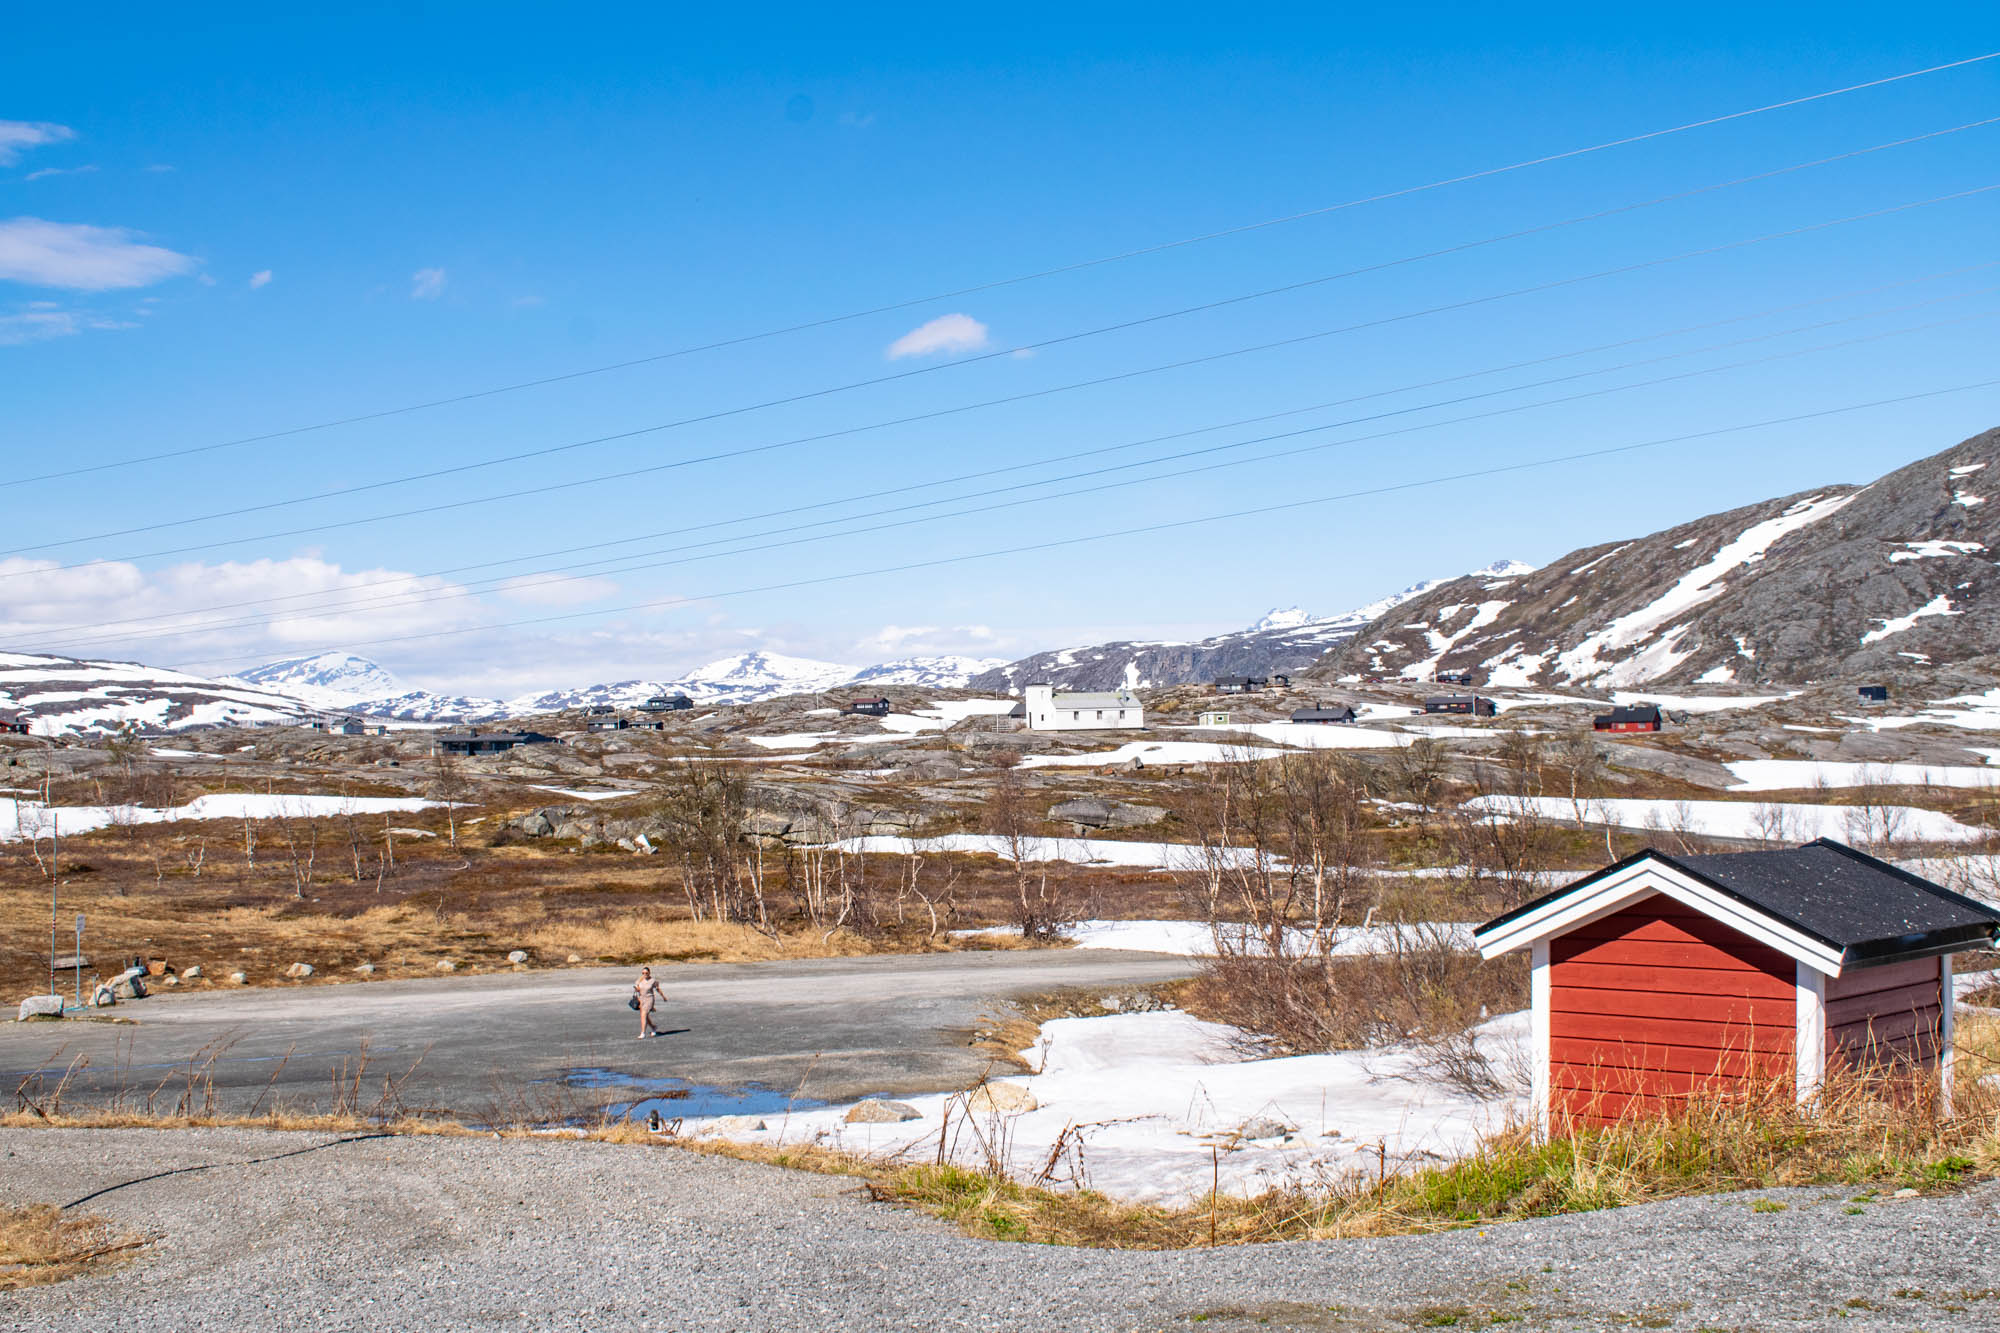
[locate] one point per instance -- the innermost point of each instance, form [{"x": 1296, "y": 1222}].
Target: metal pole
[
  {"x": 55, "y": 885},
  {"x": 79, "y": 960}
]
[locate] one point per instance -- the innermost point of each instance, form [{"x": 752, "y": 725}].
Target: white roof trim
[{"x": 1601, "y": 897}]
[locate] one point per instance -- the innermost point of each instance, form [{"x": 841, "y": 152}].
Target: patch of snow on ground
[
  {"x": 805, "y": 740},
  {"x": 1939, "y": 605},
  {"x": 1747, "y": 820},
  {"x": 1319, "y": 736},
  {"x": 1974, "y": 712},
  {"x": 19, "y": 819},
  {"x": 598, "y": 794},
  {"x": 1696, "y": 703},
  {"x": 1155, "y": 752},
  {"x": 957, "y": 710},
  {"x": 1152, "y": 1096},
  {"x": 1932, "y": 550},
  {"x": 1079, "y": 851},
  {"x": 1797, "y": 774}
]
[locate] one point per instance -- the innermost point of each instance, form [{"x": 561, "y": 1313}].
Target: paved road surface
[
  {"x": 542, "y": 1045},
  {"x": 450, "y": 1234}
]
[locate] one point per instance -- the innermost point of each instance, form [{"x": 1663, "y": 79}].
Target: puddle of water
[{"x": 677, "y": 1098}]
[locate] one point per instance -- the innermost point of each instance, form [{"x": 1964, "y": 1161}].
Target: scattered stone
[
  {"x": 446, "y": 965},
  {"x": 518, "y": 957},
  {"x": 193, "y": 973},
  {"x": 170, "y": 980},
  {"x": 1905, "y": 1193},
  {"x": 1001, "y": 1098},
  {"x": 876, "y": 1112},
  {"x": 366, "y": 969},
  {"x": 576, "y": 958},
  {"x": 299, "y": 971},
  {"x": 1262, "y": 1127},
  {"x": 102, "y": 997},
  {"x": 737, "y": 1124},
  {"x": 40, "y": 1006},
  {"x": 156, "y": 967},
  {"x": 237, "y": 978},
  {"x": 129, "y": 984}
]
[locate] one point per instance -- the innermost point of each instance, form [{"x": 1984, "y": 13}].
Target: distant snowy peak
[
  {"x": 763, "y": 676},
  {"x": 935, "y": 673},
  {"x": 58, "y": 695},
  {"x": 1289, "y": 618},
  {"x": 325, "y": 680}
]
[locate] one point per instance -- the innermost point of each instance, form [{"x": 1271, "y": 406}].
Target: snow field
[
  {"x": 1155, "y": 752},
  {"x": 1797, "y": 774},
  {"x": 1748, "y": 820},
  {"x": 1078, "y": 851},
  {"x": 1315, "y": 736},
  {"x": 1151, "y": 1097},
  {"x": 19, "y": 819}
]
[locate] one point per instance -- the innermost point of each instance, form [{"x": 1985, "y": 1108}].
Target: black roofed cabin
[
  {"x": 870, "y": 707},
  {"x": 1468, "y": 705},
  {"x": 1453, "y": 678},
  {"x": 666, "y": 703},
  {"x": 485, "y": 742},
  {"x": 1638, "y": 717},
  {"x": 1663, "y": 980},
  {"x": 1873, "y": 694},
  {"x": 1239, "y": 684},
  {"x": 1324, "y": 714}
]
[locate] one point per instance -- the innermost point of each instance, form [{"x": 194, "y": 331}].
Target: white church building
[{"x": 1107, "y": 710}]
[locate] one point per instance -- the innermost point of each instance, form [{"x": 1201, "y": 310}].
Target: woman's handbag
[{"x": 632, "y": 1003}]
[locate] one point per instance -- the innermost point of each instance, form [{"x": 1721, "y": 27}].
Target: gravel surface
[{"x": 492, "y": 1234}]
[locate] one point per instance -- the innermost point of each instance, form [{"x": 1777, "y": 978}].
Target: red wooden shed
[
  {"x": 1664, "y": 977},
  {"x": 1637, "y": 717}
]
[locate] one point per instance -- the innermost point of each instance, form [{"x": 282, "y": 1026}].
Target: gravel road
[
  {"x": 504, "y": 1046},
  {"x": 510, "y": 1234}
]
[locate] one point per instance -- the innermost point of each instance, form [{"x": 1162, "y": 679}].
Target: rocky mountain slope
[
  {"x": 71, "y": 694},
  {"x": 1840, "y": 581},
  {"x": 1283, "y": 640}
]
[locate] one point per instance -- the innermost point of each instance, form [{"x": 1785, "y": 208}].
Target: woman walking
[{"x": 645, "y": 994}]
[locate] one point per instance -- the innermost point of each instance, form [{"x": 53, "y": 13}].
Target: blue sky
[{"x": 253, "y": 223}]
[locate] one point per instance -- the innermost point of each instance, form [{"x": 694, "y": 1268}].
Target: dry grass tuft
[
  {"x": 648, "y": 937},
  {"x": 38, "y": 1245}
]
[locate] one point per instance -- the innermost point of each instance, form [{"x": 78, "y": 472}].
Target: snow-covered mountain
[
  {"x": 744, "y": 678},
  {"x": 67, "y": 694},
  {"x": 934, "y": 673},
  {"x": 1286, "y": 640},
  {"x": 1879, "y": 582},
  {"x": 325, "y": 680}
]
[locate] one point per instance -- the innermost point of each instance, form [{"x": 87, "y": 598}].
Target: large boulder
[
  {"x": 876, "y": 1112},
  {"x": 299, "y": 971},
  {"x": 1090, "y": 812},
  {"x": 1001, "y": 1099},
  {"x": 40, "y": 1006}
]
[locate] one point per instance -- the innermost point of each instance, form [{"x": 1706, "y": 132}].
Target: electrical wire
[
  {"x": 547, "y": 488},
  {"x": 1152, "y": 528},
  {"x": 998, "y": 283},
  {"x": 598, "y": 567}
]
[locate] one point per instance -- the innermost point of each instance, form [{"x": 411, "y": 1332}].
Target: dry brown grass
[{"x": 39, "y": 1245}]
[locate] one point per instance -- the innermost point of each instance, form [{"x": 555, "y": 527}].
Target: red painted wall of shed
[
  {"x": 1658, "y": 1003},
  {"x": 1886, "y": 1015}
]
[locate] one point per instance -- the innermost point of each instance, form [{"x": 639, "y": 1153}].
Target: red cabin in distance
[
  {"x": 1661, "y": 979},
  {"x": 1637, "y": 717}
]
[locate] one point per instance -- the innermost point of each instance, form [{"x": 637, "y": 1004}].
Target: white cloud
[
  {"x": 260, "y": 278},
  {"x": 60, "y": 171},
  {"x": 39, "y": 601},
  {"x": 427, "y": 284},
  {"x": 543, "y": 590},
  {"x": 42, "y": 320},
  {"x": 18, "y": 135},
  {"x": 81, "y": 257},
  {"x": 890, "y": 638},
  {"x": 943, "y": 336}
]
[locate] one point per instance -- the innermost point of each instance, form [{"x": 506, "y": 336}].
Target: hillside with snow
[
  {"x": 67, "y": 694},
  {"x": 1287, "y": 640},
  {"x": 1884, "y": 581}
]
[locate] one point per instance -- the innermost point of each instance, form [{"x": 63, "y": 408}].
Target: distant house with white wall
[{"x": 1105, "y": 710}]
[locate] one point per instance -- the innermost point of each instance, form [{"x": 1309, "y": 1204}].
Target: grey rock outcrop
[
  {"x": 1089, "y": 812},
  {"x": 40, "y": 1006},
  {"x": 1001, "y": 1099},
  {"x": 875, "y": 1112}
]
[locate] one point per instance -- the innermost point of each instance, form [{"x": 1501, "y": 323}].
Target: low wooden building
[
  {"x": 869, "y": 707},
  {"x": 1666, "y": 978},
  {"x": 1324, "y": 714},
  {"x": 667, "y": 703},
  {"x": 14, "y": 724},
  {"x": 1636, "y": 717},
  {"x": 1214, "y": 717},
  {"x": 1873, "y": 694},
  {"x": 1238, "y": 684},
  {"x": 485, "y": 742},
  {"x": 1452, "y": 678},
  {"x": 1468, "y": 705}
]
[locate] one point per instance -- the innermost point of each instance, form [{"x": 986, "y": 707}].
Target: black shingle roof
[
  {"x": 1868, "y": 909},
  {"x": 1631, "y": 713}
]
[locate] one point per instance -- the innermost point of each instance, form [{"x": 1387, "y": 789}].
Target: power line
[
  {"x": 995, "y": 284},
  {"x": 1073, "y": 455},
  {"x": 459, "y": 469},
  {"x": 546, "y": 488},
  {"x": 1168, "y": 526},
  {"x": 441, "y": 595}
]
